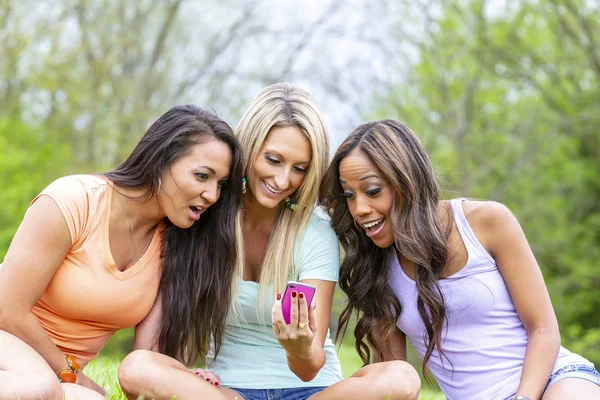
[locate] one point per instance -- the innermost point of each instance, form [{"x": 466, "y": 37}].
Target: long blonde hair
[{"x": 283, "y": 105}]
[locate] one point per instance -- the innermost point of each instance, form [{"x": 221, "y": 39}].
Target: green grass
[{"x": 104, "y": 371}]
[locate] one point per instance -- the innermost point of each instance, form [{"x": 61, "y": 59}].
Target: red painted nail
[
  {"x": 207, "y": 379},
  {"x": 301, "y": 295},
  {"x": 278, "y": 296},
  {"x": 294, "y": 293},
  {"x": 197, "y": 372},
  {"x": 217, "y": 384}
]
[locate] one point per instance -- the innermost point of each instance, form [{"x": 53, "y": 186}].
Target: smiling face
[
  {"x": 280, "y": 167},
  {"x": 369, "y": 196},
  {"x": 193, "y": 182}
]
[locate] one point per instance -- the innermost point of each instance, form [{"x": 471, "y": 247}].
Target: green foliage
[
  {"x": 506, "y": 101},
  {"x": 119, "y": 345},
  {"x": 30, "y": 160}
]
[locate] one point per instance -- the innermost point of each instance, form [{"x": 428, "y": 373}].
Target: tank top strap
[{"x": 472, "y": 244}]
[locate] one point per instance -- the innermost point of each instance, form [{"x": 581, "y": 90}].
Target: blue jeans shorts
[
  {"x": 299, "y": 393},
  {"x": 581, "y": 371}
]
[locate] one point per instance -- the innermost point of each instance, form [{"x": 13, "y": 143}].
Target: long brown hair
[
  {"x": 198, "y": 268},
  {"x": 418, "y": 234}
]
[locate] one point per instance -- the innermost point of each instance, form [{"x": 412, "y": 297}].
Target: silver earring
[
  {"x": 159, "y": 184},
  {"x": 243, "y": 185}
]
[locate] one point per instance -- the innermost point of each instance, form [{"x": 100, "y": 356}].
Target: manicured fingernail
[
  {"x": 278, "y": 296},
  {"x": 301, "y": 295},
  {"x": 197, "y": 373},
  {"x": 294, "y": 293},
  {"x": 217, "y": 384},
  {"x": 207, "y": 379}
]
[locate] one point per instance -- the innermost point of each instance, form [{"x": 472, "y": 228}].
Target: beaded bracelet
[{"x": 67, "y": 375}]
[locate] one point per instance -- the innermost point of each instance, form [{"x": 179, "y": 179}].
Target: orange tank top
[{"x": 89, "y": 299}]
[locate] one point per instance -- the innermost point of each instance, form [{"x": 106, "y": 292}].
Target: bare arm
[
  {"x": 37, "y": 250},
  {"x": 307, "y": 364},
  {"x": 503, "y": 237},
  {"x": 396, "y": 350},
  {"x": 147, "y": 331}
]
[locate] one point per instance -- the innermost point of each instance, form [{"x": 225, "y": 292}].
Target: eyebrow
[
  {"x": 362, "y": 178},
  {"x": 208, "y": 168},
  {"x": 368, "y": 177}
]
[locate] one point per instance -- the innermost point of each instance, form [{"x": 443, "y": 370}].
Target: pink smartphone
[{"x": 286, "y": 302}]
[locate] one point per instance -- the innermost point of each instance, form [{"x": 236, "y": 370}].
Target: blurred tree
[
  {"x": 99, "y": 72},
  {"x": 24, "y": 171},
  {"x": 553, "y": 46}
]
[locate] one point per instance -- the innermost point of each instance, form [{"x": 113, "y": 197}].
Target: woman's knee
[
  {"x": 46, "y": 387},
  {"x": 34, "y": 386},
  {"x": 136, "y": 368},
  {"x": 74, "y": 391},
  {"x": 396, "y": 380},
  {"x": 27, "y": 374},
  {"x": 142, "y": 367}
]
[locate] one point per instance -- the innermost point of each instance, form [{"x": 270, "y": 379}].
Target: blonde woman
[{"x": 283, "y": 237}]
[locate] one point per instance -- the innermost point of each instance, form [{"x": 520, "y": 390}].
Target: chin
[
  {"x": 182, "y": 224},
  {"x": 383, "y": 243},
  {"x": 268, "y": 203}
]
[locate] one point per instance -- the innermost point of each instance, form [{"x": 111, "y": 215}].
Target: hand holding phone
[
  {"x": 294, "y": 320},
  {"x": 286, "y": 301}
]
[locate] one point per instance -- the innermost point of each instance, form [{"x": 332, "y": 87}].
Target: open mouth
[
  {"x": 196, "y": 212},
  {"x": 373, "y": 228},
  {"x": 373, "y": 224}
]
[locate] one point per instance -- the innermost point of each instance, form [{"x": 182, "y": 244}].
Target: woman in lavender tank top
[{"x": 457, "y": 278}]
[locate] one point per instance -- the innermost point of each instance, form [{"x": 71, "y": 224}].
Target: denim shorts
[
  {"x": 580, "y": 371},
  {"x": 299, "y": 393}
]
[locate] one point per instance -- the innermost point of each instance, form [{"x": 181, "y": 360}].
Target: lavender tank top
[{"x": 484, "y": 338}]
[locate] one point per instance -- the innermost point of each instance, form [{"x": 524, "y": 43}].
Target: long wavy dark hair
[
  {"x": 198, "y": 263},
  {"x": 418, "y": 234}
]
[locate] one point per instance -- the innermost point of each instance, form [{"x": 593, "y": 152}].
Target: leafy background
[{"x": 504, "y": 94}]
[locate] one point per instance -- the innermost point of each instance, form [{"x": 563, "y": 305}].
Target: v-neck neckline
[{"x": 109, "y": 259}]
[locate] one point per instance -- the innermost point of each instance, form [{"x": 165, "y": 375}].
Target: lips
[
  {"x": 196, "y": 212},
  {"x": 271, "y": 190},
  {"x": 374, "y": 227}
]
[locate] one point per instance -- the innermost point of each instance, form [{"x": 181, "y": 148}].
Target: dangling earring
[
  {"x": 159, "y": 183},
  {"x": 290, "y": 204},
  {"x": 243, "y": 185}
]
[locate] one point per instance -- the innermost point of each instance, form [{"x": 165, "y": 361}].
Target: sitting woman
[
  {"x": 96, "y": 253},
  {"x": 457, "y": 278},
  {"x": 284, "y": 238}
]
